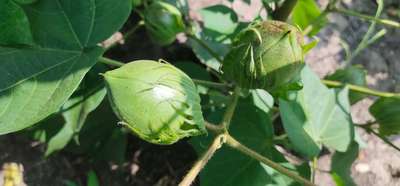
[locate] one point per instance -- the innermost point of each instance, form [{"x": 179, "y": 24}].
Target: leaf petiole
[
  {"x": 360, "y": 89},
  {"x": 367, "y": 17},
  {"x": 111, "y": 62},
  {"x": 230, "y": 141}
]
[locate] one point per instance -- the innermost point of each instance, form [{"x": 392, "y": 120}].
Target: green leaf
[
  {"x": 230, "y": 167},
  {"x": 341, "y": 165},
  {"x": 311, "y": 114},
  {"x": 101, "y": 138},
  {"x": 36, "y": 81},
  {"x": 221, "y": 48},
  {"x": 220, "y": 19},
  {"x": 220, "y": 26},
  {"x": 114, "y": 148},
  {"x": 262, "y": 99},
  {"x": 387, "y": 113},
  {"x": 307, "y": 47},
  {"x": 92, "y": 179},
  {"x": 355, "y": 75},
  {"x": 14, "y": 24},
  {"x": 77, "y": 108},
  {"x": 307, "y": 12}
]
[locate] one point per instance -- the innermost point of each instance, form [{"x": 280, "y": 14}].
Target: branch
[
  {"x": 210, "y": 83},
  {"x": 367, "y": 17},
  {"x": 283, "y": 12},
  {"x": 231, "y": 109},
  {"x": 111, "y": 62},
  {"x": 127, "y": 34},
  {"x": 202, "y": 161},
  {"x": 383, "y": 138},
  {"x": 247, "y": 151},
  {"x": 360, "y": 89}
]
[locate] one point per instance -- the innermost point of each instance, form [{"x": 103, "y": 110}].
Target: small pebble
[{"x": 362, "y": 167}]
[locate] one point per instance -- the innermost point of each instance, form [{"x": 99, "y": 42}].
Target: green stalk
[
  {"x": 233, "y": 143},
  {"x": 210, "y": 83},
  {"x": 383, "y": 138},
  {"x": 231, "y": 109},
  {"x": 216, "y": 144},
  {"x": 111, "y": 62},
  {"x": 367, "y": 17},
  {"x": 314, "y": 168},
  {"x": 202, "y": 161},
  {"x": 230, "y": 141},
  {"x": 361, "y": 89},
  {"x": 283, "y": 12},
  {"x": 127, "y": 34}
]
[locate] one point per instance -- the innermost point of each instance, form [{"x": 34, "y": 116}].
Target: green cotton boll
[
  {"x": 266, "y": 55},
  {"x": 163, "y": 22},
  {"x": 157, "y": 101}
]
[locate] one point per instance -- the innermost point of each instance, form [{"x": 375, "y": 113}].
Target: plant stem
[
  {"x": 360, "y": 89},
  {"x": 247, "y": 151},
  {"x": 314, "y": 168},
  {"x": 233, "y": 143},
  {"x": 206, "y": 47},
  {"x": 367, "y": 36},
  {"x": 383, "y": 138},
  {"x": 217, "y": 129},
  {"x": 222, "y": 131},
  {"x": 210, "y": 83},
  {"x": 202, "y": 161},
  {"x": 127, "y": 34},
  {"x": 231, "y": 109},
  {"x": 283, "y": 12},
  {"x": 111, "y": 62},
  {"x": 367, "y": 17}
]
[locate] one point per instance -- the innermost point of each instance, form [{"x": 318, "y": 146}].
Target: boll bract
[{"x": 266, "y": 55}]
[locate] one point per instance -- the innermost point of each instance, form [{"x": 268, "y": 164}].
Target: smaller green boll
[
  {"x": 266, "y": 55},
  {"x": 156, "y": 101},
  {"x": 163, "y": 21}
]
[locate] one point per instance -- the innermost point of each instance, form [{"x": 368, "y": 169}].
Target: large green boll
[
  {"x": 163, "y": 21},
  {"x": 157, "y": 101},
  {"x": 266, "y": 55}
]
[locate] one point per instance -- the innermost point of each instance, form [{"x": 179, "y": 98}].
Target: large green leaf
[
  {"x": 387, "y": 113},
  {"x": 35, "y": 81},
  {"x": 14, "y": 24},
  {"x": 100, "y": 137},
  {"x": 230, "y": 167},
  {"x": 75, "y": 111},
  {"x": 355, "y": 75},
  {"x": 220, "y": 19},
  {"x": 316, "y": 116},
  {"x": 262, "y": 99},
  {"x": 341, "y": 165},
  {"x": 305, "y": 13},
  {"x": 220, "y": 25},
  {"x": 204, "y": 55}
]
